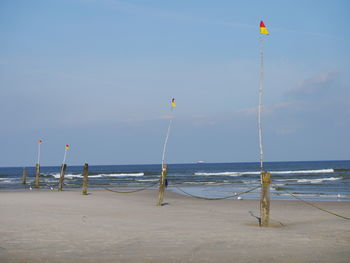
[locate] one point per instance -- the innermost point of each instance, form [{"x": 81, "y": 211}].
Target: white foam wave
[
  {"x": 70, "y": 176},
  {"x": 272, "y": 172},
  {"x": 205, "y": 183},
  {"x": 4, "y": 179},
  {"x": 95, "y": 176},
  {"x": 148, "y": 180},
  {"x": 227, "y": 173},
  {"x": 319, "y": 180},
  {"x": 122, "y": 175},
  {"x": 304, "y": 171},
  {"x": 7, "y": 180}
]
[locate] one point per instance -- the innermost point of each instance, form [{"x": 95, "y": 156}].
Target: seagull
[{"x": 30, "y": 188}]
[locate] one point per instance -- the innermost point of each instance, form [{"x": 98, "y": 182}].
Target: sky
[{"x": 99, "y": 75}]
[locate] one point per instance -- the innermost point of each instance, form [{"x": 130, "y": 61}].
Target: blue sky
[{"x": 99, "y": 75}]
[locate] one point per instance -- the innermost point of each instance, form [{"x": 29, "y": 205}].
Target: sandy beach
[{"x": 51, "y": 226}]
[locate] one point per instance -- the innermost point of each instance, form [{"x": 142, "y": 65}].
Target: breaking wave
[
  {"x": 231, "y": 173},
  {"x": 319, "y": 180},
  {"x": 71, "y": 176}
]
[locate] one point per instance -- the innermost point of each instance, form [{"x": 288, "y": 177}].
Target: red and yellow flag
[
  {"x": 67, "y": 146},
  {"x": 263, "y": 29},
  {"x": 40, "y": 141},
  {"x": 173, "y": 104}
]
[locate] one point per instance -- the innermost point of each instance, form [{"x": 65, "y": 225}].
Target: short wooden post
[
  {"x": 24, "y": 176},
  {"x": 37, "y": 175},
  {"x": 63, "y": 171},
  {"x": 162, "y": 185},
  {"x": 85, "y": 178},
  {"x": 265, "y": 199}
]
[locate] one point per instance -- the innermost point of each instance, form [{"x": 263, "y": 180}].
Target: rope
[
  {"x": 315, "y": 206},
  {"x": 218, "y": 198},
  {"x": 132, "y": 191}
]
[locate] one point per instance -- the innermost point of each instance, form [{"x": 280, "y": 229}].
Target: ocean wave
[
  {"x": 304, "y": 171},
  {"x": 226, "y": 173},
  {"x": 233, "y": 173},
  {"x": 148, "y": 180},
  {"x": 341, "y": 170},
  {"x": 122, "y": 175},
  {"x": 4, "y": 178},
  {"x": 8, "y": 180},
  {"x": 319, "y": 180},
  {"x": 71, "y": 176},
  {"x": 204, "y": 183},
  {"x": 343, "y": 196}
]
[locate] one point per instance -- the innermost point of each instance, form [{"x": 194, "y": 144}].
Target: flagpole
[
  {"x": 166, "y": 140},
  {"x": 63, "y": 169},
  {"x": 261, "y": 89},
  {"x": 264, "y": 176},
  {"x": 64, "y": 157},
  {"x": 163, "y": 181},
  {"x": 39, "y": 144}
]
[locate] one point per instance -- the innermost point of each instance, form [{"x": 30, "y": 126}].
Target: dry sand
[{"x": 50, "y": 226}]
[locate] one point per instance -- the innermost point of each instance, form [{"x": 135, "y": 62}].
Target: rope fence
[
  {"x": 313, "y": 205},
  {"x": 215, "y": 198},
  {"x": 131, "y": 191}
]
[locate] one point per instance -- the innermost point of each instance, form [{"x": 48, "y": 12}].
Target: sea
[{"x": 308, "y": 180}]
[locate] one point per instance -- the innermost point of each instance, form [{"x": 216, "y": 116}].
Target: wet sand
[{"x": 50, "y": 226}]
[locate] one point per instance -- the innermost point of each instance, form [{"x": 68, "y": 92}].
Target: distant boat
[{"x": 200, "y": 162}]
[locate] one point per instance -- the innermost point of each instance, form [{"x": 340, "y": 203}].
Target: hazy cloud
[{"x": 314, "y": 85}]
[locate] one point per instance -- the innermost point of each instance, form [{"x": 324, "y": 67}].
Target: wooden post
[
  {"x": 162, "y": 185},
  {"x": 63, "y": 171},
  {"x": 85, "y": 178},
  {"x": 24, "y": 176},
  {"x": 37, "y": 175},
  {"x": 265, "y": 199}
]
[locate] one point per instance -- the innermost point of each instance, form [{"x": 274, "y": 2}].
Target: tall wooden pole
[
  {"x": 265, "y": 199},
  {"x": 85, "y": 179},
  {"x": 261, "y": 89},
  {"x": 37, "y": 175},
  {"x": 265, "y": 176},
  {"x": 24, "y": 176},
  {"x": 63, "y": 168},
  {"x": 162, "y": 185},
  {"x": 63, "y": 171},
  {"x": 37, "y": 168}
]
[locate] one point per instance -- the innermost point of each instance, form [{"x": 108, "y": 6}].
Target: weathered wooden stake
[
  {"x": 265, "y": 199},
  {"x": 37, "y": 175},
  {"x": 162, "y": 185},
  {"x": 63, "y": 171},
  {"x": 24, "y": 176},
  {"x": 85, "y": 178}
]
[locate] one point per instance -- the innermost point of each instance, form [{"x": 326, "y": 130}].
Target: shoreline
[
  {"x": 52, "y": 226},
  {"x": 311, "y": 181},
  {"x": 317, "y": 198}
]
